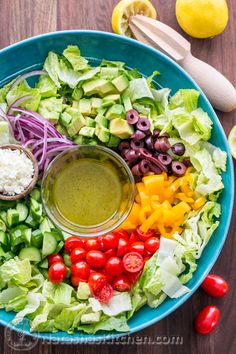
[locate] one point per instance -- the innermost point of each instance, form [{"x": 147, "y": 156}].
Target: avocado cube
[
  {"x": 75, "y": 104},
  {"x": 101, "y": 121},
  {"x": 127, "y": 103},
  {"x": 114, "y": 98},
  {"x": 62, "y": 130},
  {"x": 121, "y": 83},
  {"x": 90, "y": 122},
  {"x": 65, "y": 119},
  {"x": 98, "y": 86},
  {"x": 80, "y": 140},
  {"x": 95, "y": 104},
  {"x": 113, "y": 141},
  {"x": 103, "y": 134},
  {"x": 50, "y": 109},
  {"x": 120, "y": 128},
  {"x": 109, "y": 72},
  {"x": 77, "y": 122},
  {"x": 87, "y": 131},
  {"x": 115, "y": 111},
  {"x": 77, "y": 93},
  {"x": 85, "y": 106}
]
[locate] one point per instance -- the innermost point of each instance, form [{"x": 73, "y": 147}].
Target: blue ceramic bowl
[{"x": 30, "y": 54}]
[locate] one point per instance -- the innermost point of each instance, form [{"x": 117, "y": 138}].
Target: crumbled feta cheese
[{"x": 16, "y": 171}]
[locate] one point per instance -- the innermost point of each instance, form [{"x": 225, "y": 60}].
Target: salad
[{"x": 64, "y": 283}]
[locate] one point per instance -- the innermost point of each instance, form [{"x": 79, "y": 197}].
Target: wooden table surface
[{"x": 21, "y": 19}]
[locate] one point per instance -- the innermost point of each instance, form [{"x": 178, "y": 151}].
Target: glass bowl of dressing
[{"x": 88, "y": 190}]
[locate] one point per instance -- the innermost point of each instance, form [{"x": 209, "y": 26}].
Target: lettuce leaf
[
  {"x": 186, "y": 98},
  {"x": 72, "y": 54},
  {"x": 22, "y": 89},
  {"x": 46, "y": 87},
  {"x": 15, "y": 270},
  {"x": 118, "y": 324}
]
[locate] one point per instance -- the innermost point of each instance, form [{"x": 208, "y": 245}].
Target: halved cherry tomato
[
  {"x": 134, "y": 237},
  {"x": 207, "y": 319},
  {"x": 110, "y": 253},
  {"x": 137, "y": 247},
  {"x": 152, "y": 244},
  {"x": 123, "y": 247},
  {"x": 92, "y": 244},
  {"x": 110, "y": 241},
  {"x": 96, "y": 259},
  {"x": 97, "y": 281},
  {"x": 133, "y": 276},
  {"x": 104, "y": 294},
  {"x": 144, "y": 236},
  {"x": 101, "y": 244},
  {"x": 77, "y": 254},
  {"x": 121, "y": 234},
  {"x": 121, "y": 283},
  {"x": 57, "y": 272},
  {"x": 215, "y": 286},
  {"x": 73, "y": 242},
  {"x": 76, "y": 280},
  {"x": 133, "y": 262},
  {"x": 53, "y": 258},
  {"x": 81, "y": 269},
  {"x": 114, "y": 266}
]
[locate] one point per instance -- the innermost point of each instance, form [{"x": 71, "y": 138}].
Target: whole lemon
[{"x": 202, "y": 18}]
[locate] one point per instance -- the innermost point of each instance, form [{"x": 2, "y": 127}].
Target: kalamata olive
[
  {"x": 167, "y": 135},
  {"x": 156, "y": 133},
  {"x": 187, "y": 162},
  {"x": 143, "y": 124},
  {"x": 136, "y": 145},
  {"x": 162, "y": 144},
  {"x": 178, "y": 149},
  {"x": 132, "y": 116},
  {"x": 132, "y": 156},
  {"x": 156, "y": 162},
  {"x": 136, "y": 170},
  {"x": 138, "y": 135},
  {"x": 144, "y": 153},
  {"x": 123, "y": 152},
  {"x": 123, "y": 145},
  {"x": 178, "y": 168},
  {"x": 165, "y": 159},
  {"x": 149, "y": 142},
  {"x": 154, "y": 168},
  {"x": 144, "y": 166}
]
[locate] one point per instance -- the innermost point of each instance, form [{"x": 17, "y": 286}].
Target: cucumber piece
[
  {"x": 67, "y": 260},
  {"x": 4, "y": 241},
  {"x": 3, "y": 216},
  {"x": 49, "y": 244},
  {"x": 57, "y": 234},
  {"x": 37, "y": 238},
  {"x": 27, "y": 234},
  {"x": 36, "y": 195},
  {"x": 36, "y": 210},
  {"x": 16, "y": 237},
  {"x": 44, "y": 264},
  {"x": 3, "y": 226},
  {"x": 44, "y": 272},
  {"x": 31, "y": 222},
  {"x": 30, "y": 253},
  {"x": 45, "y": 226},
  {"x": 23, "y": 211},
  {"x": 59, "y": 247},
  {"x": 12, "y": 217},
  {"x": 6, "y": 204}
]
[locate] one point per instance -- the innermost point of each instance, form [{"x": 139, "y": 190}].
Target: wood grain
[{"x": 20, "y": 19}]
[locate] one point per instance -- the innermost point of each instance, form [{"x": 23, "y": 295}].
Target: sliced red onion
[
  {"x": 178, "y": 149},
  {"x": 165, "y": 159},
  {"x": 162, "y": 144},
  {"x": 143, "y": 124},
  {"x": 144, "y": 166},
  {"x": 178, "y": 168},
  {"x": 17, "y": 103},
  {"x": 132, "y": 116},
  {"x": 136, "y": 145},
  {"x": 138, "y": 135},
  {"x": 26, "y": 76}
]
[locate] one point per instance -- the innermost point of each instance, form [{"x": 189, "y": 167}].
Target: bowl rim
[{"x": 103, "y": 337}]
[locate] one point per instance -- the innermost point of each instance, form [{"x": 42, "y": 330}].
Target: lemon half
[
  {"x": 232, "y": 141},
  {"x": 126, "y": 8},
  {"x": 202, "y": 18}
]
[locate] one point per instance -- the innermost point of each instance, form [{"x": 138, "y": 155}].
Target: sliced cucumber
[
  {"x": 30, "y": 253},
  {"x": 57, "y": 234},
  {"x": 37, "y": 238},
  {"x": 12, "y": 217},
  {"x": 3, "y": 216},
  {"x": 23, "y": 211},
  {"x": 44, "y": 225},
  {"x": 4, "y": 240},
  {"x": 67, "y": 260},
  {"x": 59, "y": 246},
  {"x": 31, "y": 222},
  {"x": 44, "y": 264},
  {"x": 27, "y": 236},
  {"x": 6, "y": 204},
  {"x": 36, "y": 210},
  {"x": 36, "y": 195},
  {"x": 44, "y": 272},
  {"x": 49, "y": 244},
  {"x": 3, "y": 226}
]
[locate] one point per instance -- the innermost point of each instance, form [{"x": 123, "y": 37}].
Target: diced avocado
[
  {"x": 87, "y": 131},
  {"x": 115, "y": 111},
  {"x": 83, "y": 291},
  {"x": 101, "y": 121},
  {"x": 114, "y": 98},
  {"x": 50, "y": 108},
  {"x": 121, "y": 83},
  {"x": 85, "y": 106},
  {"x": 93, "y": 142},
  {"x": 96, "y": 103},
  {"x": 127, "y": 103},
  {"x": 80, "y": 140},
  {"x": 120, "y": 128},
  {"x": 98, "y": 86},
  {"x": 62, "y": 130},
  {"x": 109, "y": 72},
  {"x": 92, "y": 317},
  {"x": 77, "y": 122},
  {"x": 103, "y": 134},
  {"x": 113, "y": 141},
  {"x": 75, "y": 104},
  {"x": 65, "y": 119},
  {"x": 90, "y": 122},
  {"x": 77, "y": 93}
]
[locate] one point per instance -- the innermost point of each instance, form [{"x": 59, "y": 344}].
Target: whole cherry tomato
[
  {"x": 137, "y": 247},
  {"x": 80, "y": 269},
  {"x": 110, "y": 241},
  {"x": 123, "y": 247},
  {"x": 105, "y": 293},
  {"x": 215, "y": 286},
  {"x": 110, "y": 253},
  {"x": 133, "y": 262},
  {"x": 77, "y": 254},
  {"x": 76, "y": 280},
  {"x": 121, "y": 283},
  {"x": 96, "y": 259},
  {"x": 57, "y": 272},
  {"x": 152, "y": 244},
  {"x": 207, "y": 319},
  {"x": 108, "y": 276},
  {"x": 144, "y": 236},
  {"x": 96, "y": 281},
  {"x": 92, "y": 244},
  {"x": 114, "y": 266},
  {"x": 134, "y": 237},
  {"x": 73, "y": 242},
  {"x": 121, "y": 234},
  {"x": 101, "y": 244},
  {"x": 53, "y": 258}
]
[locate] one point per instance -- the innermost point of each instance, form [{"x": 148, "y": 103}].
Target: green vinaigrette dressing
[{"x": 87, "y": 191}]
